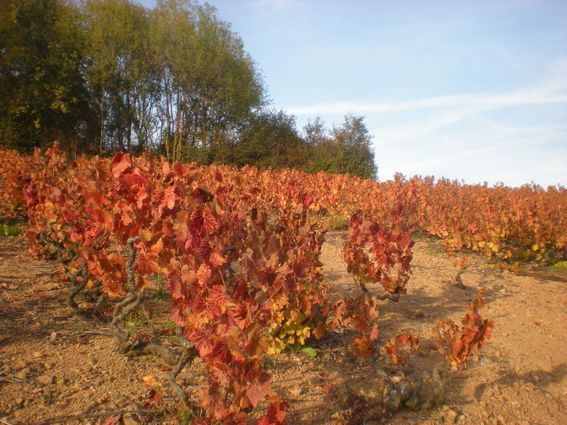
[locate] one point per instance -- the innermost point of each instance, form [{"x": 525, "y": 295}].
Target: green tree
[
  {"x": 208, "y": 84},
  {"x": 269, "y": 139},
  {"x": 174, "y": 78},
  {"x": 43, "y": 92},
  {"x": 354, "y": 148},
  {"x": 322, "y": 148},
  {"x": 315, "y": 132},
  {"x": 121, "y": 72},
  {"x": 346, "y": 149},
  {"x": 108, "y": 75}
]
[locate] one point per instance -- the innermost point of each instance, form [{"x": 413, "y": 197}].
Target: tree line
[{"x": 103, "y": 76}]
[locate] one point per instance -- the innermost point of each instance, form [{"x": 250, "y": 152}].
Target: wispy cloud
[
  {"x": 462, "y": 136},
  {"x": 484, "y": 151},
  {"x": 275, "y": 5},
  {"x": 551, "y": 91}
]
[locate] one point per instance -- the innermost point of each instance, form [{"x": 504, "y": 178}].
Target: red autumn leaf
[
  {"x": 458, "y": 343},
  {"x": 153, "y": 398},
  {"x": 276, "y": 413},
  {"x": 181, "y": 228},
  {"x": 169, "y": 197},
  {"x": 216, "y": 300},
  {"x": 259, "y": 389},
  {"x": 165, "y": 168},
  {"x": 209, "y": 221},
  {"x": 393, "y": 352},
  {"x": 374, "y": 332},
  {"x": 120, "y": 163},
  {"x": 196, "y": 220},
  {"x": 113, "y": 420},
  {"x": 217, "y": 259},
  {"x": 203, "y": 248},
  {"x": 188, "y": 277},
  {"x": 177, "y": 289},
  {"x": 203, "y": 275},
  {"x": 242, "y": 316},
  {"x": 328, "y": 388},
  {"x": 257, "y": 344}
]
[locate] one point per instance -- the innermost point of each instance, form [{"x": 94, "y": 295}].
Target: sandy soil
[{"x": 57, "y": 367}]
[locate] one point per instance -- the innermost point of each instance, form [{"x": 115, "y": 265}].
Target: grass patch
[
  {"x": 160, "y": 291},
  {"x": 339, "y": 222},
  {"x": 435, "y": 248},
  {"x": 10, "y": 229},
  {"x": 560, "y": 267},
  {"x": 556, "y": 272}
]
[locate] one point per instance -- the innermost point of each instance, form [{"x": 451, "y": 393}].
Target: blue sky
[{"x": 469, "y": 90}]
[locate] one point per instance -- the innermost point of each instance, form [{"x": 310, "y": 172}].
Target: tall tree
[
  {"x": 270, "y": 139},
  {"x": 354, "y": 148},
  {"x": 108, "y": 75},
  {"x": 346, "y": 149},
  {"x": 120, "y": 72},
  {"x": 42, "y": 88},
  {"x": 174, "y": 77},
  {"x": 209, "y": 84},
  {"x": 322, "y": 147}
]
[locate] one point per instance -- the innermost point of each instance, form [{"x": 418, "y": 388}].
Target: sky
[{"x": 468, "y": 90}]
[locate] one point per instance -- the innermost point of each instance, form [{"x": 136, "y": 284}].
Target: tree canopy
[
  {"x": 42, "y": 85},
  {"x": 346, "y": 149},
  {"x": 102, "y": 76}
]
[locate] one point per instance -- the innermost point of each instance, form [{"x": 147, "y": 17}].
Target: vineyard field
[
  {"x": 272, "y": 213},
  {"x": 521, "y": 377},
  {"x": 143, "y": 291}
]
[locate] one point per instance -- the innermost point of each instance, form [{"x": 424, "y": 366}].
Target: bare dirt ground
[{"x": 58, "y": 367}]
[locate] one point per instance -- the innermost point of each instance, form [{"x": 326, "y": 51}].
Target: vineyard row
[{"x": 239, "y": 251}]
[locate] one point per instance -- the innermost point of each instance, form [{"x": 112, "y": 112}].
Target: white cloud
[
  {"x": 481, "y": 150},
  {"x": 274, "y": 6},
  {"x": 461, "y": 137},
  {"x": 551, "y": 91}
]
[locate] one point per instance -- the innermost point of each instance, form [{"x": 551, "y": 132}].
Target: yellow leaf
[
  {"x": 146, "y": 235},
  {"x": 151, "y": 381}
]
